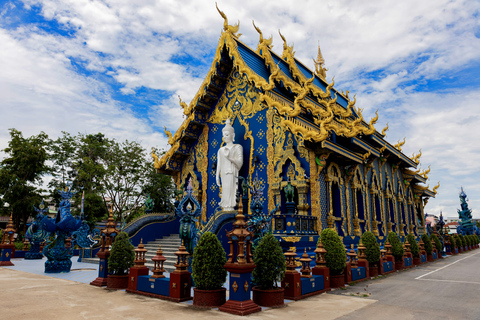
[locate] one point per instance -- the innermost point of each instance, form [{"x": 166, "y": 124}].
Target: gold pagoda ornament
[{"x": 320, "y": 69}]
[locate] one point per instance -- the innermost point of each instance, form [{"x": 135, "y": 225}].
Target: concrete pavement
[{"x": 445, "y": 289}]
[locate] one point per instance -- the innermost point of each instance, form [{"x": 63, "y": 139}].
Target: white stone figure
[{"x": 229, "y": 163}]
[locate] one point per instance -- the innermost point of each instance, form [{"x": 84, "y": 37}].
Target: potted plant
[
  {"x": 428, "y": 246},
  {"x": 208, "y": 272},
  {"x": 458, "y": 242},
  {"x": 397, "y": 250},
  {"x": 336, "y": 257},
  {"x": 372, "y": 252},
  {"x": 438, "y": 245},
  {"x": 463, "y": 241},
  {"x": 269, "y": 270},
  {"x": 414, "y": 249},
  {"x": 120, "y": 260},
  {"x": 453, "y": 244}
]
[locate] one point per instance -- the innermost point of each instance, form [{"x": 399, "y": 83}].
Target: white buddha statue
[{"x": 229, "y": 163}]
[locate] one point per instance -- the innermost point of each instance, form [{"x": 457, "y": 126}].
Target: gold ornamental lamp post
[
  {"x": 107, "y": 235},
  {"x": 240, "y": 266},
  {"x": 7, "y": 248}
]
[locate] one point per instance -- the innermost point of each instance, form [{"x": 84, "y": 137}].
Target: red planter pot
[
  {"x": 117, "y": 282},
  {"x": 209, "y": 298},
  {"x": 337, "y": 281},
  {"x": 373, "y": 271},
  {"x": 417, "y": 261},
  {"x": 269, "y": 298},
  {"x": 399, "y": 265}
]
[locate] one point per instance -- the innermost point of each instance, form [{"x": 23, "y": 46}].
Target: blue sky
[{"x": 119, "y": 66}]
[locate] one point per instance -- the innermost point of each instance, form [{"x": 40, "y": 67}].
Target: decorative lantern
[
  {"x": 182, "y": 263},
  {"x": 140, "y": 255},
  {"x": 320, "y": 254},
  {"x": 434, "y": 246},
  {"x": 8, "y": 232},
  {"x": 406, "y": 245},
  {"x": 382, "y": 253},
  {"x": 361, "y": 250},
  {"x": 158, "y": 261},
  {"x": 352, "y": 257},
  {"x": 241, "y": 237},
  {"x": 290, "y": 261},
  {"x": 422, "y": 246},
  {"x": 26, "y": 244},
  {"x": 108, "y": 234},
  {"x": 388, "y": 247},
  {"x": 305, "y": 261}
]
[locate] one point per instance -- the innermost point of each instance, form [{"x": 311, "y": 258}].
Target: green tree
[
  {"x": 269, "y": 263},
  {"x": 373, "y": 248},
  {"x": 336, "y": 256},
  {"x": 122, "y": 255},
  {"x": 427, "y": 243},
  {"x": 414, "y": 248},
  {"x": 397, "y": 248},
  {"x": 159, "y": 186},
  {"x": 208, "y": 261},
  {"x": 125, "y": 176},
  {"x": 21, "y": 173}
]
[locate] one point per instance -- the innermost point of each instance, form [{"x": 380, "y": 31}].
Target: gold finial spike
[
  {"x": 320, "y": 69},
  {"x": 228, "y": 28},
  {"x": 384, "y": 131}
]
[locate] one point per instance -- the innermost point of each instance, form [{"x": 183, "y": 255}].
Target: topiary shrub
[
  {"x": 397, "y": 248},
  {"x": 121, "y": 256},
  {"x": 208, "y": 261},
  {"x": 336, "y": 256},
  {"x": 414, "y": 248},
  {"x": 438, "y": 244},
  {"x": 462, "y": 239},
  {"x": 270, "y": 263},
  {"x": 428, "y": 244},
  {"x": 373, "y": 248},
  {"x": 468, "y": 240},
  {"x": 453, "y": 244},
  {"x": 458, "y": 241}
]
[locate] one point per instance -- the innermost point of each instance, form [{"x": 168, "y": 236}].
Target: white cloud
[{"x": 380, "y": 50}]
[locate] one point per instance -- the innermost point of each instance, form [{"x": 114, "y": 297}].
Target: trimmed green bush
[
  {"x": 414, "y": 248},
  {"x": 122, "y": 255},
  {"x": 458, "y": 241},
  {"x": 428, "y": 243},
  {"x": 373, "y": 248},
  {"x": 462, "y": 239},
  {"x": 468, "y": 239},
  {"x": 336, "y": 256},
  {"x": 270, "y": 263},
  {"x": 208, "y": 261},
  {"x": 438, "y": 244},
  {"x": 453, "y": 245},
  {"x": 397, "y": 248}
]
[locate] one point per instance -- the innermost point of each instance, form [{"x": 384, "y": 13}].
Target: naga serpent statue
[
  {"x": 188, "y": 210},
  {"x": 35, "y": 234}
]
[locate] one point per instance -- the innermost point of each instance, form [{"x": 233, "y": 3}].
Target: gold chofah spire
[
  {"x": 287, "y": 50},
  {"x": 156, "y": 164},
  {"x": 320, "y": 69},
  {"x": 416, "y": 158},
  {"x": 436, "y": 187},
  {"x": 228, "y": 28},
  {"x": 399, "y": 145},
  {"x": 268, "y": 42},
  {"x": 384, "y": 131}
]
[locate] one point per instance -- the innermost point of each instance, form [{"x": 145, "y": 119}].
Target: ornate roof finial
[
  {"x": 267, "y": 42},
  {"x": 399, "y": 145},
  {"x": 320, "y": 69},
  {"x": 384, "y": 131},
  {"x": 228, "y": 28},
  {"x": 438, "y": 186},
  {"x": 286, "y": 48}
]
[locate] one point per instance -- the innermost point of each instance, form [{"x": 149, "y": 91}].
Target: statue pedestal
[
  {"x": 6, "y": 251},
  {"x": 239, "y": 301},
  {"x": 34, "y": 252},
  {"x": 101, "y": 280},
  {"x": 180, "y": 286},
  {"x": 292, "y": 283},
  {"x": 325, "y": 272},
  {"x": 133, "y": 275}
]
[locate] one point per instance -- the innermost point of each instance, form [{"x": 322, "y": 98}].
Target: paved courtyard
[{"x": 446, "y": 289}]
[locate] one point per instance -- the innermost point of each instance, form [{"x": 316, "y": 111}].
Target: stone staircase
[{"x": 169, "y": 245}]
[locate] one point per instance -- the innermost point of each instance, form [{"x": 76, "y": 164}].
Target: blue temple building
[{"x": 295, "y": 126}]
